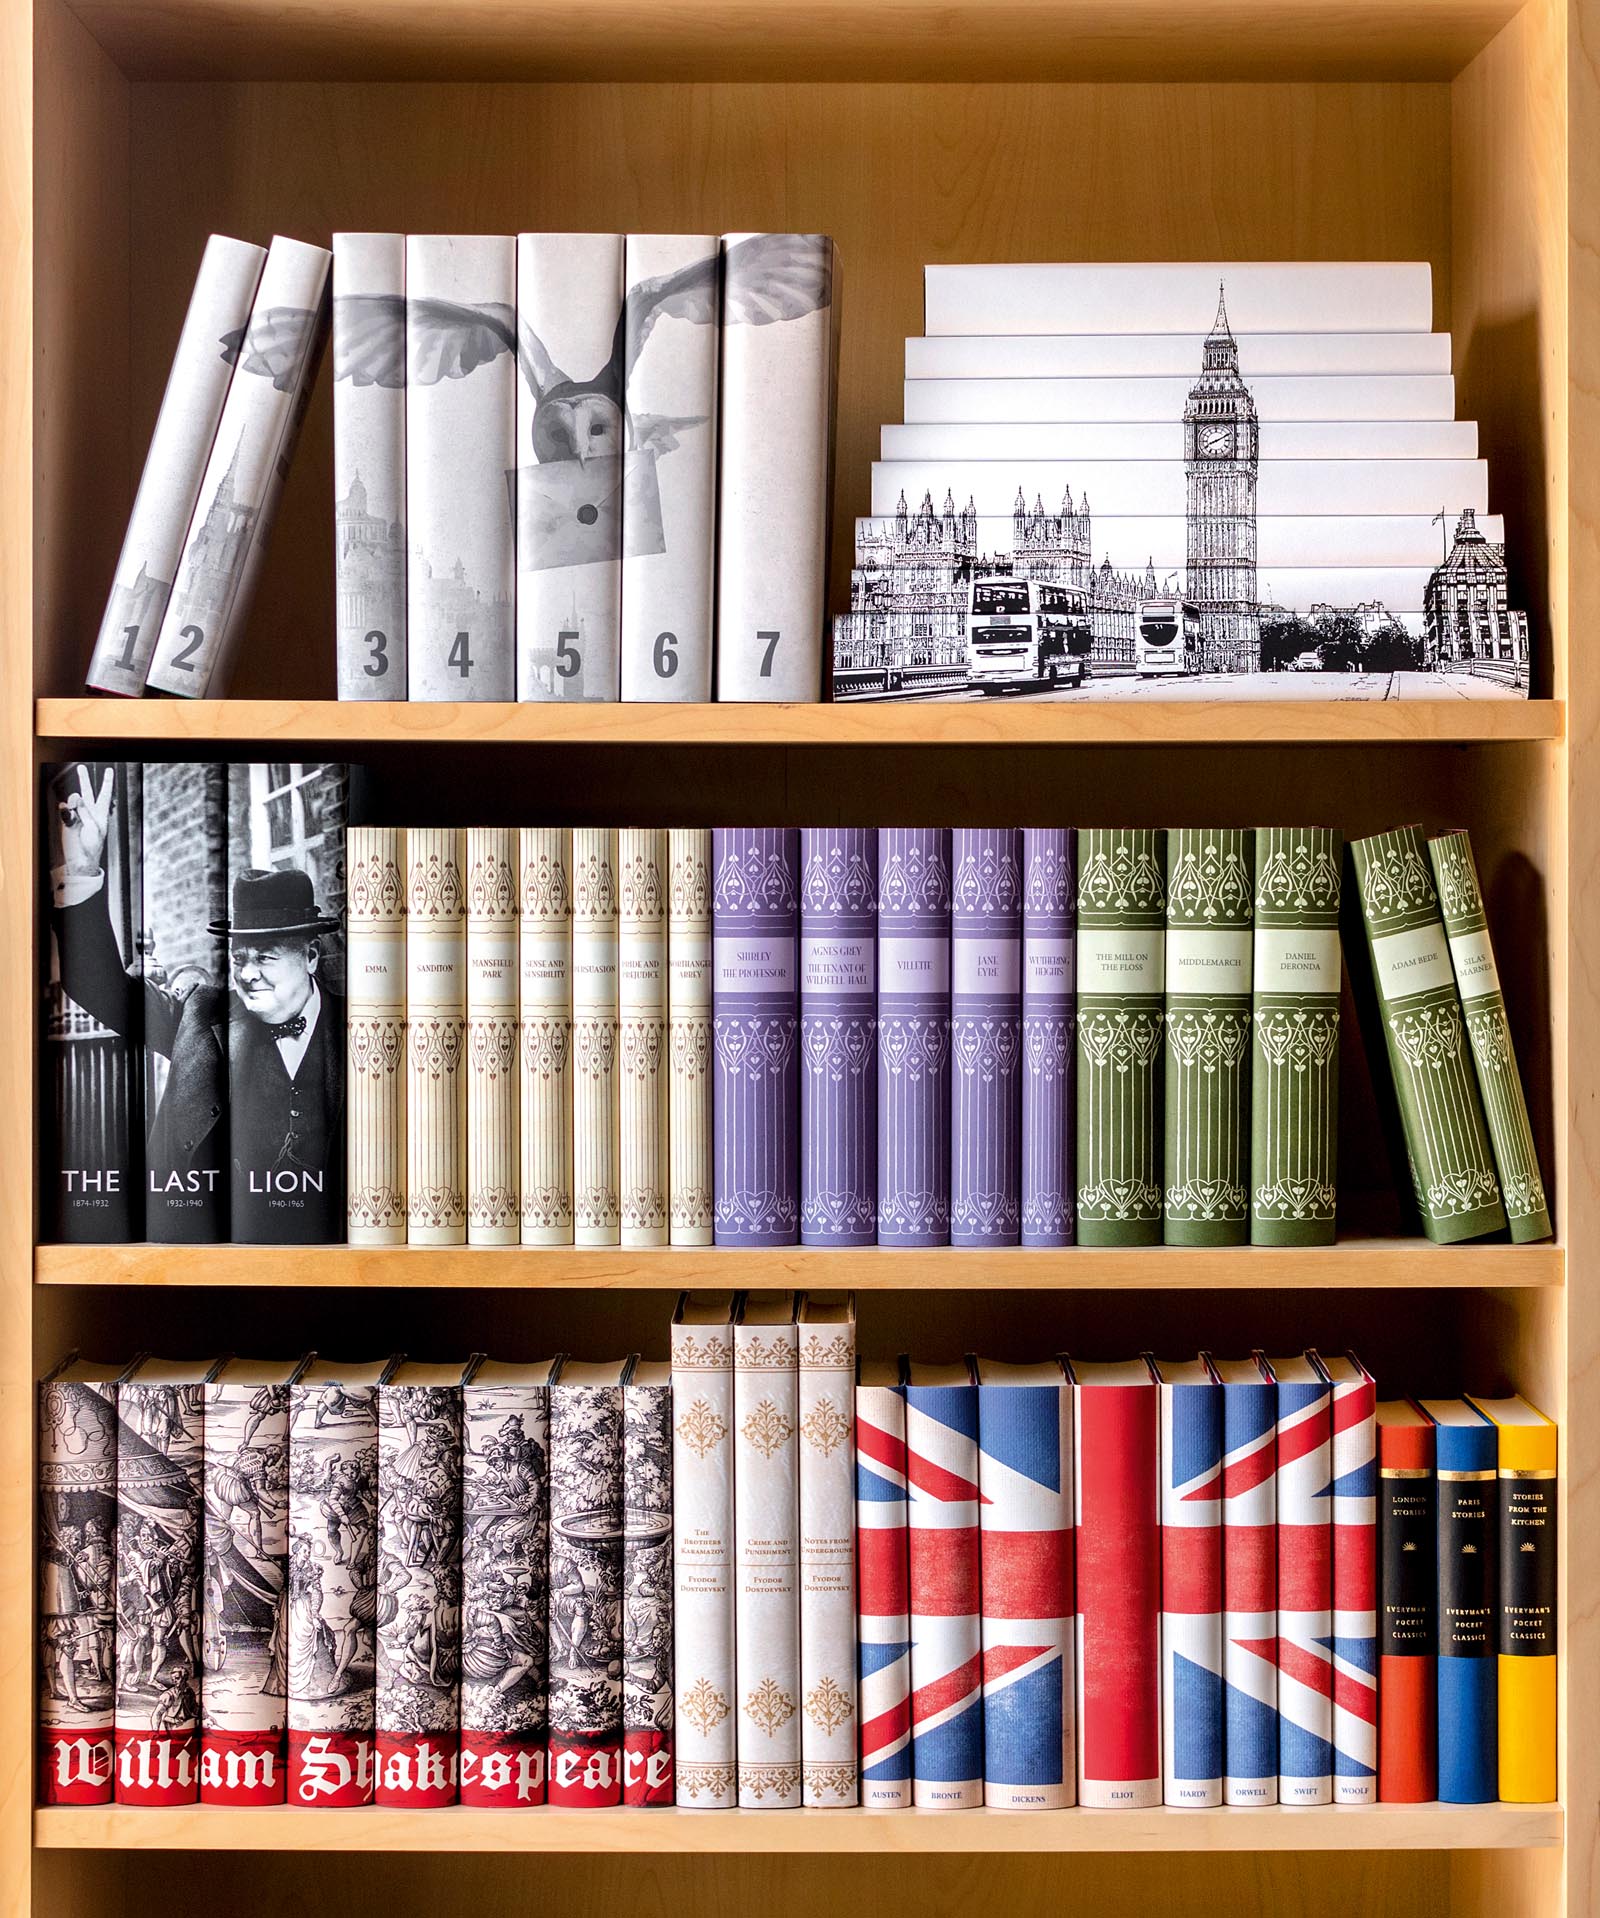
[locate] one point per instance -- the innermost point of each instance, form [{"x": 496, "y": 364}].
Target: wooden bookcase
[{"x": 1463, "y": 132}]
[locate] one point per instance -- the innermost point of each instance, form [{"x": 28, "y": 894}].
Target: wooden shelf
[
  {"x": 664, "y": 1829},
  {"x": 918, "y": 723},
  {"x": 1390, "y": 1264}
]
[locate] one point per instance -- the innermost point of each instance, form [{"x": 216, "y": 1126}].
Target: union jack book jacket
[
  {"x": 1305, "y": 1584},
  {"x": 1249, "y": 1581},
  {"x": 1191, "y": 1583},
  {"x": 1355, "y": 1580},
  {"x": 883, "y": 1587}
]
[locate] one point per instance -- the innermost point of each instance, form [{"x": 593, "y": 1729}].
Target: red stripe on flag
[
  {"x": 944, "y": 1572},
  {"x": 885, "y": 1575},
  {"x": 1305, "y": 1667},
  {"x": 1027, "y": 1574},
  {"x": 1305, "y": 1581},
  {"x": 885, "y": 1448},
  {"x": 947, "y": 1690},
  {"x": 1191, "y": 1568}
]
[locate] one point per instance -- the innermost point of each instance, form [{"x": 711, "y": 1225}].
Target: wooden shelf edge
[
  {"x": 668, "y": 1830},
  {"x": 918, "y": 723},
  {"x": 1389, "y": 1264}
]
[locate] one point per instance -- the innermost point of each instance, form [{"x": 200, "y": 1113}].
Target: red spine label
[
  {"x": 502, "y": 1769},
  {"x": 154, "y": 1768},
  {"x": 241, "y": 1768},
  {"x": 331, "y": 1769},
  {"x": 584, "y": 1772},
  {"x": 74, "y": 1769},
  {"x": 416, "y": 1769},
  {"x": 647, "y": 1768}
]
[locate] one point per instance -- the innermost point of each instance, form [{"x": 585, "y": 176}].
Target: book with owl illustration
[
  {"x": 913, "y": 1035},
  {"x": 436, "y": 1036},
  {"x": 244, "y": 1680},
  {"x": 376, "y": 1052},
  {"x": 985, "y": 1035},
  {"x": 492, "y": 1032},
  {"x": 1294, "y": 1065},
  {"x": 780, "y": 312},
  {"x": 458, "y": 372},
  {"x": 77, "y": 1582},
  {"x": 689, "y": 1046},
  {"x": 596, "y": 1119},
  {"x": 706, "y": 1729},
  {"x": 647, "y": 1704},
  {"x": 825, "y": 1410},
  {"x": 1121, "y": 945},
  {"x": 1210, "y": 914},
  {"x": 1414, "y": 996},
  {"x": 175, "y": 463},
  {"x": 1049, "y": 1049},
  {"x": 766, "y": 1525},
  {"x": 572, "y": 438},
  {"x": 275, "y": 365},
  {"x": 369, "y": 465},
  {"x": 505, "y": 1545},
  {"x": 643, "y": 877},
  {"x": 838, "y": 1035},
  {"x": 544, "y": 999},
  {"x": 670, "y": 503}
]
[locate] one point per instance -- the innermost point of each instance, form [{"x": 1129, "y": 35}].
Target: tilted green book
[
  {"x": 1447, "y": 1141},
  {"x": 1210, "y": 910},
  {"x": 1478, "y": 981},
  {"x": 1122, "y": 915},
  {"x": 1294, "y": 1121}
]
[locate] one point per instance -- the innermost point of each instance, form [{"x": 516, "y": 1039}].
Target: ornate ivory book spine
[
  {"x": 1122, "y": 909},
  {"x": 884, "y": 1587},
  {"x": 94, "y": 1017},
  {"x": 275, "y": 360},
  {"x": 1049, "y": 1052},
  {"x": 1483, "y": 1006},
  {"x": 505, "y": 1581},
  {"x": 77, "y": 1584},
  {"x": 185, "y": 973},
  {"x": 369, "y": 463},
  {"x": 461, "y": 457},
  {"x": 827, "y": 1374},
  {"x": 160, "y": 1495},
  {"x": 377, "y": 1043},
  {"x": 913, "y": 1035},
  {"x": 185, "y": 431},
  {"x": 545, "y": 1007},
  {"x": 1441, "y": 1113},
  {"x": 838, "y": 1035},
  {"x": 780, "y": 303},
  {"x": 689, "y": 1049},
  {"x": 643, "y": 876},
  {"x": 1192, "y": 1720},
  {"x": 647, "y": 1586},
  {"x": 1305, "y": 1584},
  {"x": 245, "y": 1679},
  {"x": 766, "y": 1552},
  {"x": 493, "y": 1082},
  {"x": 333, "y": 1586},
  {"x": 1294, "y": 1066},
  {"x": 755, "y": 1021},
  {"x": 436, "y": 1006},
  {"x": 586, "y": 1545},
  {"x": 418, "y": 1590},
  {"x": 1249, "y": 1582},
  {"x": 986, "y": 1036},
  {"x": 1210, "y": 910},
  {"x": 596, "y": 1172},
  {"x": 573, "y": 433},
  {"x": 672, "y": 338},
  {"x": 703, "y": 1567},
  {"x": 1355, "y": 1581}
]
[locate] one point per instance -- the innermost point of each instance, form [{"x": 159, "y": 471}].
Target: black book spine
[
  {"x": 94, "y": 1011},
  {"x": 1406, "y": 1627},
  {"x": 1469, "y": 1564},
  {"x": 1527, "y": 1565}
]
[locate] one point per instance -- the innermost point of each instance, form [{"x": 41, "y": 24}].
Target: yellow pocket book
[{"x": 1528, "y": 1461}]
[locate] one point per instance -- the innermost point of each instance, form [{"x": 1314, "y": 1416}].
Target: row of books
[
  {"x": 764, "y": 1576},
  {"x": 910, "y": 1036}
]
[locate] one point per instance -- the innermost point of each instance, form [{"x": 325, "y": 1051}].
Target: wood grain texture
[
  {"x": 896, "y": 723},
  {"x": 817, "y": 40}
]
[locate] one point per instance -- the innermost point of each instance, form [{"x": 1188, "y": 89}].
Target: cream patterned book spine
[
  {"x": 436, "y": 1085},
  {"x": 689, "y": 1035},
  {"x": 826, "y": 1381},
  {"x": 766, "y": 1515},
  {"x": 492, "y": 1088},
  {"x": 596, "y": 1205},
  {"x": 376, "y": 1045},
  {"x": 545, "y": 1004},
  {"x": 702, "y": 1562},
  {"x": 642, "y": 875}
]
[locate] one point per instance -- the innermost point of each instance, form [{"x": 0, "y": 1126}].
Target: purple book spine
[
  {"x": 985, "y": 1035},
  {"x": 755, "y": 1117},
  {"x": 913, "y": 1035},
  {"x": 1049, "y": 919},
  {"x": 838, "y": 1035}
]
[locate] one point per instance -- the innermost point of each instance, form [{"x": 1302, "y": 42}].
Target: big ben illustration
[{"x": 1221, "y": 452}]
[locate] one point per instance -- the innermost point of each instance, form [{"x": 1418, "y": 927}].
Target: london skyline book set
[{"x": 1107, "y": 1583}]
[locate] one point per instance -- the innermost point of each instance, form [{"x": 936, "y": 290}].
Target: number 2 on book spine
[
  {"x": 772, "y": 646},
  {"x": 184, "y": 662},
  {"x": 460, "y": 655}
]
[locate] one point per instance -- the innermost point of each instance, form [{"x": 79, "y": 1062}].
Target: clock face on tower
[{"x": 1215, "y": 442}]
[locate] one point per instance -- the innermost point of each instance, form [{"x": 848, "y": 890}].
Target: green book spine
[
  {"x": 1436, "y": 1088},
  {"x": 1122, "y": 916},
  {"x": 1294, "y": 1123},
  {"x": 1210, "y": 887},
  {"x": 1478, "y": 982}
]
